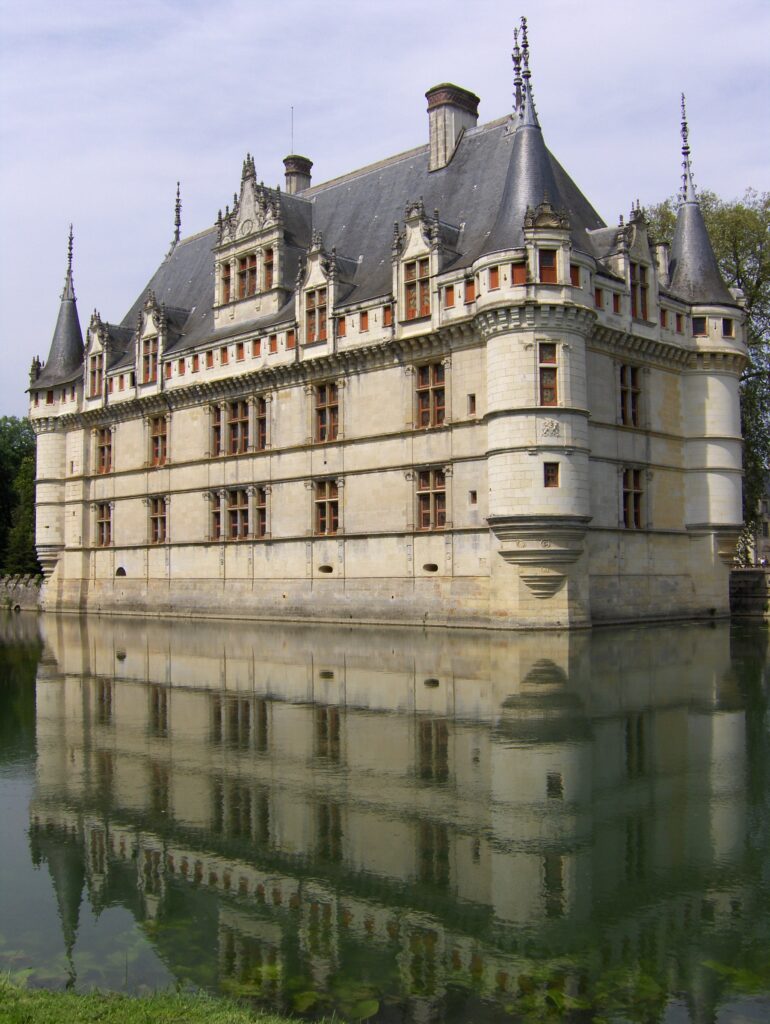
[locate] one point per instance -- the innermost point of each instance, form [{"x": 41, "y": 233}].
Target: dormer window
[
  {"x": 547, "y": 266},
  {"x": 267, "y": 270},
  {"x": 417, "y": 291},
  {"x": 149, "y": 360},
  {"x": 247, "y": 276},
  {"x": 226, "y": 282},
  {"x": 95, "y": 373},
  {"x": 315, "y": 315},
  {"x": 638, "y": 291}
]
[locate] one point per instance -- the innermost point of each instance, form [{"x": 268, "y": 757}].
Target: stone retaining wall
[
  {"x": 750, "y": 592},
  {"x": 20, "y": 592}
]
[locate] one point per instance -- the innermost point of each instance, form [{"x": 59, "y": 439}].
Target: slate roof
[
  {"x": 65, "y": 358},
  {"x": 693, "y": 266}
]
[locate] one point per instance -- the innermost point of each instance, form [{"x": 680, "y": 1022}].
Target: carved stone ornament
[
  {"x": 246, "y": 227},
  {"x": 545, "y": 585},
  {"x": 551, "y": 428}
]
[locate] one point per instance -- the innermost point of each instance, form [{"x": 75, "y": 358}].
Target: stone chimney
[
  {"x": 297, "y": 173},
  {"x": 450, "y": 111}
]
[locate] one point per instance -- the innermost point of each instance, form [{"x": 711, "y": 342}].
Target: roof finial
[
  {"x": 528, "y": 112},
  {"x": 69, "y": 252},
  {"x": 687, "y": 194},
  {"x": 516, "y": 56},
  {"x": 69, "y": 288},
  {"x": 177, "y": 214}
]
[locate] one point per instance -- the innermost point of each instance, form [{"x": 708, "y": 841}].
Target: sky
[{"x": 105, "y": 105}]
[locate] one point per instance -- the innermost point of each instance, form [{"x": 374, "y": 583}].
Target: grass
[{"x": 39, "y": 1006}]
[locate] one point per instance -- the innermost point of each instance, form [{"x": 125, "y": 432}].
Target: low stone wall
[
  {"x": 19, "y": 593},
  {"x": 750, "y": 592}
]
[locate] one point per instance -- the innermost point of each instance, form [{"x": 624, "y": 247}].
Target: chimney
[
  {"x": 297, "y": 173},
  {"x": 451, "y": 110}
]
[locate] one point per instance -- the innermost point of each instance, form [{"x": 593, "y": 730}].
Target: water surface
[{"x": 395, "y": 825}]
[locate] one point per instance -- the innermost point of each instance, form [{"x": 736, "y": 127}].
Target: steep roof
[
  {"x": 65, "y": 358},
  {"x": 695, "y": 274}
]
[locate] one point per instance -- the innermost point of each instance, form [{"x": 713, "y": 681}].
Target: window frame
[
  {"x": 158, "y": 514},
  {"x": 632, "y": 496},
  {"x": 326, "y": 412},
  {"x": 431, "y": 498},
  {"x": 430, "y": 395},
  {"x": 630, "y": 389},
  {"x": 103, "y": 521},
  {"x": 246, "y": 275},
  {"x": 150, "y": 360},
  {"x": 103, "y": 450},
  {"x": 237, "y": 513},
  {"x": 417, "y": 305},
  {"x": 326, "y": 507},
  {"x": 547, "y": 374},
  {"x": 316, "y": 306},
  {"x": 238, "y": 417},
  {"x": 158, "y": 440}
]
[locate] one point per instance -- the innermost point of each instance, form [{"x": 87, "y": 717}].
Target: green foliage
[
  {"x": 21, "y": 1006},
  {"x": 17, "y": 496},
  {"x": 740, "y": 235}
]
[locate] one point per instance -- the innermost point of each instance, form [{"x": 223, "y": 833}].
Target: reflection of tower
[{"x": 64, "y": 856}]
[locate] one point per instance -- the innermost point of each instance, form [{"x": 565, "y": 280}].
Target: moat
[{"x": 393, "y": 825}]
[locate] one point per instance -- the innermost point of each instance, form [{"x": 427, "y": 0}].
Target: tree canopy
[
  {"x": 17, "y": 497},
  {"x": 740, "y": 235}
]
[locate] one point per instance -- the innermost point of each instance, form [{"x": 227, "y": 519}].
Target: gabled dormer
[
  {"x": 150, "y": 342},
  {"x": 250, "y": 278},
  {"x": 95, "y": 363},
  {"x": 316, "y": 293},
  {"x": 547, "y": 242},
  {"x": 416, "y": 256}
]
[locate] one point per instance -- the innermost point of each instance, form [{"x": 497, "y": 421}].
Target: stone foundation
[{"x": 20, "y": 593}]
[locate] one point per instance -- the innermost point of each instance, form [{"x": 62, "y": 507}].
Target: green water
[{"x": 393, "y": 825}]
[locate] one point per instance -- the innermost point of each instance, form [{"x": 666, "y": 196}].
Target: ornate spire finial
[
  {"x": 69, "y": 252},
  {"x": 687, "y": 193},
  {"x": 68, "y": 291},
  {"x": 528, "y": 112},
  {"x": 177, "y": 214},
  {"x": 516, "y": 56}
]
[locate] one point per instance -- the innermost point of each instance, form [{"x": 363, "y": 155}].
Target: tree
[
  {"x": 740, "y": 235},
  {"x": 17, "y": 495}
]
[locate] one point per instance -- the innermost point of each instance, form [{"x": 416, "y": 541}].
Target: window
[
  {"x": 342, "y": 326},
  {"x": 49, "y": 398},
  {"x": 247, "y": 276},
  {"x": 224, "y": 355},
  {"x": 267, "y": 270},
  {"x": 326, "y": 412},
  {"x": 157, "y": 520},
  {"x": 260, "y": 511},
  {"x": 272, "y": 343},
  {"x": 431, "y": 499},
  {"x": 181, "y": 367},
  {"x": 103, "y": 524},
  {"x": 363, "y": 324},
  {"x": 431, "y": 406},
  {"x": 240, "y": 352},
  {"x": 256, "y": 347},
  {"x": 449, "y": 296},
  {"x": 237, "y": 514},
  {"x": 471, "y": 405},
  {"x": 574, "y": 275},
  {"x": 629, "y": 396},
  {"x": 494, "y": 278},
  {"x": 727, "y": 327},
  {"x": 121, "y": 383},
  {"x": 699, "y": 326},
  {"x": 167, "y": 373},
  {"x": 110, "y": 385},
  {"x": 103, "y": 450},
  {"x": 469, "y": 291},
  {"x": 638, "y": 291},
  {"x": 417, "y": 291},
  {"x": 387, "y": 316},
  {"x": 209, "y": 359},
  {"x": 327, "y": 508},
  {"x": 664, "y": 318},
  {"x": 550, "y": 474},
  {"x": 547, "y": 263},
  {"x": 158, "y": 440},
  {"x": 291, "y": 339},
  {"x": 519, "y": 272},
  {"x": 315, "y": 316},
  {"x": 547, "y": 373},
  {"x": 149, "y": 360},
  {"x": 237, "y": 427},
  {"x": 216, "y": 517},
  {"x": 598, "y": 298},
  {"x": 226, "y": 282},
  {"x": 216, "y": 430},
  {"x": 679, "y": 323},
  {"x": 196, "y": 363},
  {"x": 95, "y": 369},
  {"x": 632, "y": 499},
  {"x": 615, "y": 302},
  {"x": 261, "y": 423}
]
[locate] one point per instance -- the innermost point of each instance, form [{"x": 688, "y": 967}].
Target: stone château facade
[{"x": 438, "y": 389}]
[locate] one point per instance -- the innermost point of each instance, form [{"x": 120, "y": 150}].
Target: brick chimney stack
[{"x": 297, "y": 173}]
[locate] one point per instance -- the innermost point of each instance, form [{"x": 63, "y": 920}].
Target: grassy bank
[{"x": 38, "y": 1006}]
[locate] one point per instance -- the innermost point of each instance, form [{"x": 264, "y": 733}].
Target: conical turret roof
[
  {"x": 693, "y": 266},
  {"x": 65, "y": 358}
]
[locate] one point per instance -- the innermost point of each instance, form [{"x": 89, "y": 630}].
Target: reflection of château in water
[{"x": 462, "y": 805}]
